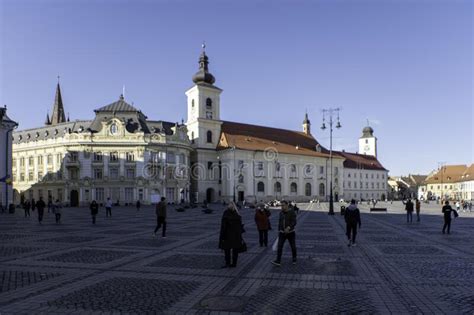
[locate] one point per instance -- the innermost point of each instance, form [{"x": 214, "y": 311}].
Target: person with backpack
[
  {"x": 352, "y": 218},
  {"x": 263, "y": 224},
  {"x": 94, "y": 207},
  {"x": 447, "y": 211},
  {"x": 286, "y": 231},
  {"x": 409, "y": 210}
]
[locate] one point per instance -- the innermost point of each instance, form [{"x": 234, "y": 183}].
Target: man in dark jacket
[
  {"x": 352, "y": 218},
  {"x": 230, "y": 237},
  {"x": 286, "y": 231},
  {"x": 161, "y": 217},
  {"x": 40, "y": 205},
  {"x": 409, "y": 209},
  {"x": 447, "y": 210}
]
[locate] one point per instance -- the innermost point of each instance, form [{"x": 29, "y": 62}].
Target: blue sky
[{"x": 404, "y": 65}]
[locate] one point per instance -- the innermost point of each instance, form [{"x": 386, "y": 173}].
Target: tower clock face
[{"x": 366, "y": 148}]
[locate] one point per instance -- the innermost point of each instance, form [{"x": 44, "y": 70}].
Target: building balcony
[{"x": 73, "y": 163}]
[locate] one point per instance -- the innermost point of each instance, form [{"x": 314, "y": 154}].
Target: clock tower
[{"x": 368, "y": 142}]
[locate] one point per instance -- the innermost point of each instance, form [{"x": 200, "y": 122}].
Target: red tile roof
[
  {"x": 261, "y": 138},
  {"x": 447, "y": 174},
  {"x": 361, "y": 161}
]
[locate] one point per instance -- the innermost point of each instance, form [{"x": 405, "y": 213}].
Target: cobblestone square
[{"x": 117, "y": 266}]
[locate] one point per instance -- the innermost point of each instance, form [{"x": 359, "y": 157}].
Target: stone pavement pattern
[{"x": 116, "y": 266}]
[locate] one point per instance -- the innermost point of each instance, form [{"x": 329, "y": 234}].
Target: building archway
[
  {"x": 210, "y": 195},
  {"x": 74, "y": 198}
]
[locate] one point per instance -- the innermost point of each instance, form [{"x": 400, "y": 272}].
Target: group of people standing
[{"x": 40, "y": 205}]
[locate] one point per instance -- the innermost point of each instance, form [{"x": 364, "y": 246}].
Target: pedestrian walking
[
  {"x": 161, "y": 217},
  {"x": 447, "y": 211},
  {"x": 138, "y": 205},
  {"x": 108, "y": 207},
  {"x": 26, "y": 207},
  {"x": 263, "y": 224},
  {"x": 409, "y": 210},
  {"x": 417, "y": 208},
  {"x": 40, "y": 205},
  {"x": 470, "y": 206},
  {"x": 286, "y": 231},
  {"x": 230, "y": 237},
  {"x": 94, "y": 207},
  {"x": 58, "y": 210},
  {"x": 457, "y": 206},
  {"x": 352, "y": 218},
  {"x": 33, "y": 204},
  {"x": 50, "y": 203}
]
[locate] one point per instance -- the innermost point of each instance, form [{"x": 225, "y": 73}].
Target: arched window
[
  {"x": 209, "y": 136},
  {"x": 277, "y": 187},
  {"x": 192, "y": 137},
  {"x": 192, "y": 103},
  {"x": 208, "y": 103},
  {"x": 293, "y": 188},
  {"x": 322, "y": 190},
  {"x": 307, "y": 189},
  {"x": 260, "y": 187}
]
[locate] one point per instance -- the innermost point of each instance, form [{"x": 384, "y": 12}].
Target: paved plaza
[{"x": 117, "y": 266}]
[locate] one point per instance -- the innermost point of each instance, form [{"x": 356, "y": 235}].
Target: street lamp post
[{"x": 330, "y": 112}]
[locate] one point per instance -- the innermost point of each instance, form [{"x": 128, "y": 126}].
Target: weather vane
[{"x": 203, "y": 45}]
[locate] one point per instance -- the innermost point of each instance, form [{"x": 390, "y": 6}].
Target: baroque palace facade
[{"x": 123, "y": 155}]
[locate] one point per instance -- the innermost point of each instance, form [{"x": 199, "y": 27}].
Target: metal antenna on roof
[{"x": 368, "y": 124}]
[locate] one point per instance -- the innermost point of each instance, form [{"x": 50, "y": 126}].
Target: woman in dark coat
[
  {"x": 94, "y": 210},
  {"x": 230, "y": 239},
  {"x": 263, "y": 224}
]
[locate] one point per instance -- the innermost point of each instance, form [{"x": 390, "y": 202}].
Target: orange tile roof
[
  {"x": 361, "y": 161},
  {"x": 261, "y": 138},
  {"x": 447, "y": 174}
]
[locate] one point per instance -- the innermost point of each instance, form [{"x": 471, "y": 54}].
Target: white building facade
[{"x": 6, "y": 128}]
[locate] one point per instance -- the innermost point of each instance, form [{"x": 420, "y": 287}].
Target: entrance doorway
[
  {"x": 210, "y": 195},
  {"x": 241, "y": 196},
  {"x": 74, "y": 197}
]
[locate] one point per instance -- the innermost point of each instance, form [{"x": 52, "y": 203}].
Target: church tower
[
  {"x": 306, "y": 125},
  {"x": 204, "y": 125},
  {"x": 368, "y": 142}
]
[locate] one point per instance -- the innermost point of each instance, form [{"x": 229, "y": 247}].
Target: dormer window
[{"x": 113, "y": 129}]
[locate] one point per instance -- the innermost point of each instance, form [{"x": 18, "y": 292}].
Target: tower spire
[
  {"x": 203, "y": 75},
  {"x": 58, "y": 115},
  {"x": 306, "y": 124},
  {"x": 47, "y": 121}
]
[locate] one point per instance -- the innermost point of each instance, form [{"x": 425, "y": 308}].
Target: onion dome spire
[{"x": 203, "y": 75}]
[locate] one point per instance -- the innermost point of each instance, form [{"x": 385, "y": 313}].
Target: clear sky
[{"x": 404, "y": 65}]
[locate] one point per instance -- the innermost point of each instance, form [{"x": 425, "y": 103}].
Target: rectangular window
[
  {"x": 372, "y": 185},
  {"x": 130, "y": 173},
  {"x": 114, "y": 156},
  {"x": 59, "y": 158},
  {"x": 260, "y": 166},
  {"x": 99, "y": 194},
  {"x": 22, "y": 177},
  {"x": 321, "y": 170},
  {"x": 22, "y": 162},
  {"x": 98, "y": 157},
  {"x": 13, "y": 162},
  {"x": 170, "y": 158},
  {"x": 40, "y": 160},
  {"x": 50, "y": 160},
  {"x": 98, "y": 173},
  {"x": 30, "y": 176},
  {"x": 367, "y": 185},
  {"x": 114, "y": 173},
  {"x": 73, "y": 174},
  {"x": 73, "y": 157},
  {"x": 128, "y": 194},
  {"x": 349, "y": 175},
  {"x": 31, "y": 161},
  {"x": 40, "y": 176},
  {"x": 130, "y": 157},
  {"x": 336, "y": 171}
]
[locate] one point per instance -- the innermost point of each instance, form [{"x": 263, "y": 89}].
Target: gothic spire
[{"x": 58, "y": 116}]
